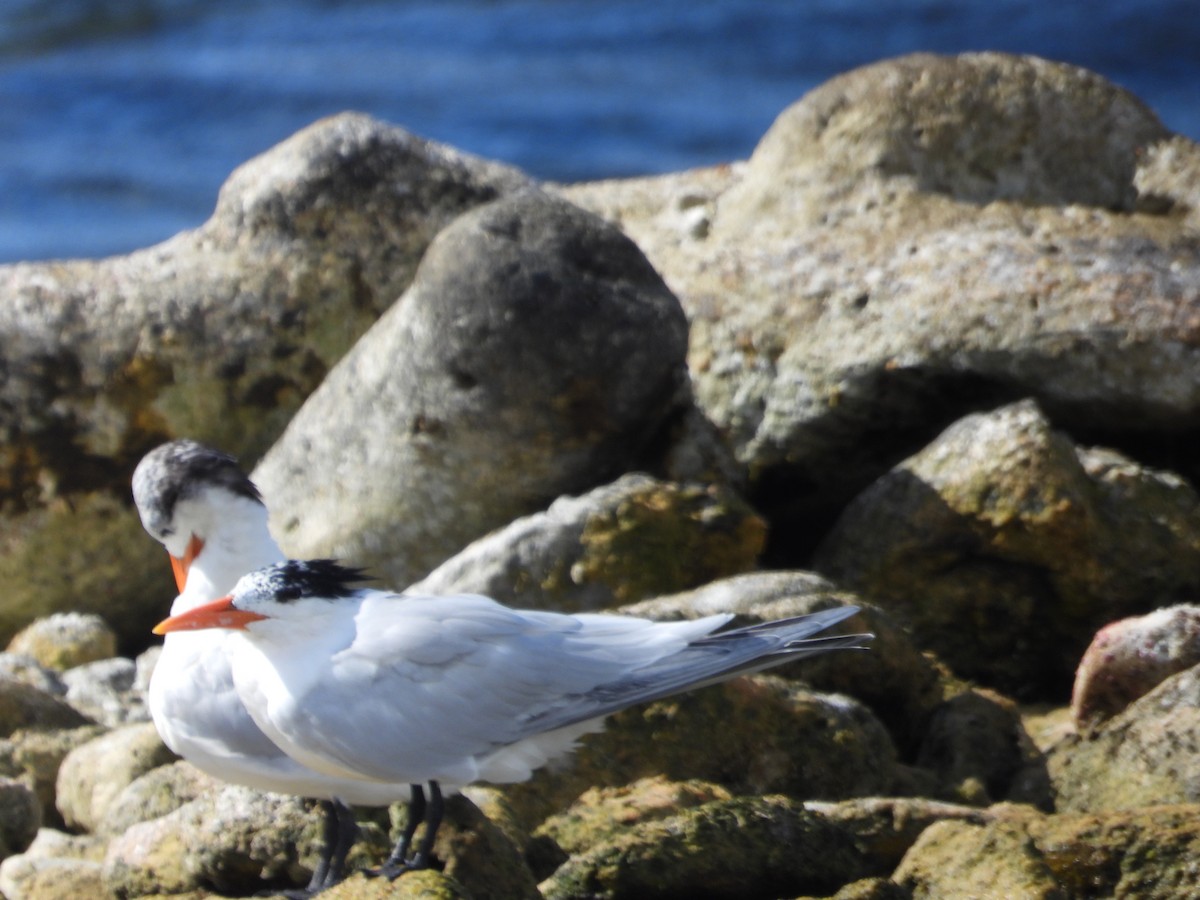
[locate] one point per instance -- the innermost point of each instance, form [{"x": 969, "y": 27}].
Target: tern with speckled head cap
[
  {"x": 449, "y": 690},
  {"x": 200, "y": 505}
]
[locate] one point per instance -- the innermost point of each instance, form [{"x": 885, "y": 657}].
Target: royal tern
[
  {"x": 451, "y": 690},
  {"x": 199, "y": 504}
]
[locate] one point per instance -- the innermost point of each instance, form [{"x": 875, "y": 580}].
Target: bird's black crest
[
  {"x": 297, "y": 579},
  {"x": 180, "y": 469}
]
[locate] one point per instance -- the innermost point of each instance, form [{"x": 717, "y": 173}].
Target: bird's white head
[
  {"x": 190, "y": 496},
  {"x": 288, "y": 591}
]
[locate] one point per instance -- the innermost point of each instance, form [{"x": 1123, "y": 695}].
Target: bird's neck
[
  {"x": 290, "y": 655},
  {"x": 240, "y": 544}
]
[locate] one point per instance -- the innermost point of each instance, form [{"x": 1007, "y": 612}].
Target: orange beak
[
  {"x": 218, "y": 614},
  {"x": 180, "y": 566}
]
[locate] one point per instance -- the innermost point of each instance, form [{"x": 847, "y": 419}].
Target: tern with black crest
[{"x": 437, "y": 691}]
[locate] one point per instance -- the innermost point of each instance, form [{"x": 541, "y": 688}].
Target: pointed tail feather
[{"x": 712, "y": 659}]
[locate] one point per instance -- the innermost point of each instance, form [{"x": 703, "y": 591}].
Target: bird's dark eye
[{"x": 166, "y": 532}]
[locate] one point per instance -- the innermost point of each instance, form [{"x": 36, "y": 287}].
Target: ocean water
[{"x": 121, "y": 118}]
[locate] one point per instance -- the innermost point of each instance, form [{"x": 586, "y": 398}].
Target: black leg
[
  {"x": 339, "y": 831},
  {"x": 400, "y": 862},
  {"x": 329, "y": 833},
  {"x": 396, "y": 864},
  {"x": 346, "y": 835},
  {"x": 416, "y": 812},
  {"x": 424, "y": 853}
]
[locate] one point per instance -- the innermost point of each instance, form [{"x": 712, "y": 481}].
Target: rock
[
  {"x": 884, "y": 828},
  {"x": 1003, "y": 521},
  {"x": 977, "y": 745},
  {"x": 900, "y": 685},
  {"x": 1145, "y": 853},
  {"x": 217, "y": 334},
  {"x": 144, "y": 669},
  {"x": 1130, "y": 657},
  {"x": 35, "y": 756},
  {"x": 426, "y": 433},
  {"x": 753, "y": 735},
  {"x": 56, "y": 866},
  {"x": 65, "y": 640},
  {"x": 888, "y": 262},
  {"x": 23, "y": 706},
  {"x": 23, "y": 878},
  {"x": 51, "y": 843},
  {"x": 1167, "y": 178},
  {"x": 20, "y": 667},
  {"x": 781, "y": 850},
  {"x": 870, "y": 889},
  {"x": 480, "y": 857},
  {"x": 20, "y": 816},
  {"x": 230, "y": 841},
  {"x": 155, "y": 793},
  {"x": 1147, "y": 754},
  {"x": 977, "y": 127},
  {"x": 426, "y": 884},
  {"x": 637, "y": 537},
  {"x": 602, "y": 814},
  {"x": 94, "y": 774},
  {"x": 105, "y": 691}
]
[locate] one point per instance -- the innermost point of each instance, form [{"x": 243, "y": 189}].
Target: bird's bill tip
[{"x": 218, "y": 614}]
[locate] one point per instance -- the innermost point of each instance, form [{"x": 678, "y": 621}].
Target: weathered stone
[
  {"x": 637, "y": 537},
  {"x": 1130, "y": 657},
  {"x": 602, "y": 814},
  {"x": 1003, "y": 521},
  {"x": 978, "y": 127},
  {"x": 753, "y": 735},
  {"x": 19, "y": 667},
  {"x": 153, "y": 794},
  {"x": 884, "y": 828},
  {"x": 1149, "y": 753},
  {"x": 901, "y": 686},
  {"x": 218, "y": 334},
  {"x": 425, "y": 884},
  {"x": 232, "y": 841},
  {"x": 65, "y": 640},
  {"x": 31, "y": 878},
  {"x": 1168, "y": 179},
  {"x": 1147, "y": 853},
  {"x": 865, "y": 280},
  {"x": 976, "y": 744},
  {"x": 105, "y": 691},
  {"x": 20, "y": 816},
  {"x": 23, "y": 706},
  {"x": 35, "y": 756},
  {"x": 56, "y": 866},
  {"x": 537, "y": 353},
  {"x": 164, "y": 855},
  {"x": 479, "y": 856},
  {"x": 94, "y": 774},
  {"x": 781, "y": 850}
]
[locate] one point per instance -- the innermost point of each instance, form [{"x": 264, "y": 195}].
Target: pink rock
[{"x": 1129, "y": 657}]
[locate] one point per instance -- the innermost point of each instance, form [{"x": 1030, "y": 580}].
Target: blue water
[{"x": 121, "y": 118}]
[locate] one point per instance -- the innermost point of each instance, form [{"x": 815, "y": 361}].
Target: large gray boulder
[
  {"x": 216, "y": 334},
  {"x": 537, "y": 353},
  {"x": 921, "y": 238}
]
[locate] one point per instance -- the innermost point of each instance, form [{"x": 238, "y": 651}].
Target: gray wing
[{"x": 709, "y": 660}]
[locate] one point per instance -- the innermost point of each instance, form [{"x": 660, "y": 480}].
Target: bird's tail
[{"x": 709, "y": 660}]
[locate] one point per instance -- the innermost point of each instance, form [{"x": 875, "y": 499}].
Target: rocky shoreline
[{"x": 934, "y": 350}]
